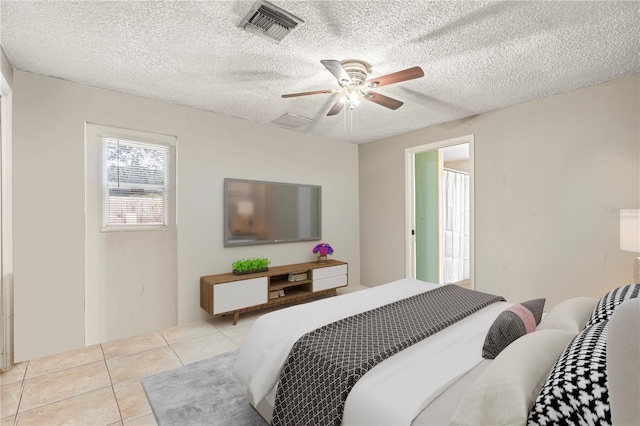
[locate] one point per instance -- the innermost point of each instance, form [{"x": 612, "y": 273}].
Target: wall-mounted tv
[{"x": 257, "y": 212}]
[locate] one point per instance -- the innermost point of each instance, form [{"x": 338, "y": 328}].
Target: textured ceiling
[{"x": 477, "y": 56}]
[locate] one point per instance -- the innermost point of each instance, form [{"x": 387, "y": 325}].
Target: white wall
[
  {"x": 549, "y": 176},
  {"x": 49, "y": 117}
]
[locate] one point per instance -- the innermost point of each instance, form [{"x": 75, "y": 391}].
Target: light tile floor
[{"x": 102, "y": 384}]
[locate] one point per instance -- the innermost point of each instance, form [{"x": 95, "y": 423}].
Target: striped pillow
[
  {"x": 512, "y": 323},
  {"x": 607, "y": 304}
]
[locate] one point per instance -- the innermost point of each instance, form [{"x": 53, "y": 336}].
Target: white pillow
[
  {"x": 570, "y": 315},
  {"x": 506, "y": 390}
]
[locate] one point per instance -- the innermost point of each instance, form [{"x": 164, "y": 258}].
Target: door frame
[
  {"x": 409, "y": 163},
  {"x": 6, "y": 225}
]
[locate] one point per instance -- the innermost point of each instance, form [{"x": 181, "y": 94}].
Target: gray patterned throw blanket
[{"x": 325, "y": 364}]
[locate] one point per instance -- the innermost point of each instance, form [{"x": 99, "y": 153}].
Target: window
[{"x": 135, "y": 182}]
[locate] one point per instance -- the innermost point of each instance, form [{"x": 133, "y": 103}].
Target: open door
[
  {"x": 4, "y": 363},
  {"x": 6, "y": 228},
  {"x": 427, "y": 215},
  {"x": 439, "y": 212}
]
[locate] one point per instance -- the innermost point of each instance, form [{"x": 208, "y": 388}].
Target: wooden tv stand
[{"x": 226, "y": 293}]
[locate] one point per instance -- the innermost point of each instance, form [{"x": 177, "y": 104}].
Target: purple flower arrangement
[{"x": 322, "y": 249}]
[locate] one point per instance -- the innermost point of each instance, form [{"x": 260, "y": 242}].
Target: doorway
[
  {"x": 440, "y": 212},
  {"x": 6, "y": 227},
  {"x": 4, "y": 359}
]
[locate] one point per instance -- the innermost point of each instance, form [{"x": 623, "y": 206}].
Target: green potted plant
[{"x": 250, "y": 266}]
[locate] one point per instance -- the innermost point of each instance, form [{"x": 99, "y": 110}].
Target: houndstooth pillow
[
  {"x": 607, "y": 304},
  {"x": 576, "y": 390}
]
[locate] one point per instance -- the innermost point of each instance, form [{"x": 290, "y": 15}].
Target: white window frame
[{"x": 130, "y": 140}]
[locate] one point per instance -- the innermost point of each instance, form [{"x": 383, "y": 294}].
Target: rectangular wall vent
[{"x": 270, "y": 21}]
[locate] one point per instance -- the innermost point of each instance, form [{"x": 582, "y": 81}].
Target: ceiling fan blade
[
  {"x": 315, "y": 92},
  {"x": 337, "y": 107},
  {"x": 335, "y": 68},
  {"x": 385, "y": 101},
  {"x": 396, "y": 77}
]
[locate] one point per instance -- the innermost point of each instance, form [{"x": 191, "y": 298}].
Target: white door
[
  {"x": 6, "y": 228},
  {"x": 6, "y": 298},
  {"x": 3, "y": 358}
]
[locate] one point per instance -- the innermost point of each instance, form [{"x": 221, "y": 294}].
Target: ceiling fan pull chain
[
  {"x": 351, "y": 112},
  {"x": 346, "y": 113}
]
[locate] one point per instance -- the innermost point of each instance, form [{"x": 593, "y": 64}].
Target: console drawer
[
  {"x": 329, "y": 271},
  {"x": 240, "y": 294},
  {"x": 331, "y": 282}
]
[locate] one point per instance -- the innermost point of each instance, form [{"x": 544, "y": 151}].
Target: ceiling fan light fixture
[
  {"x": 352, "y": 76},
  {"x": 357, "y": 70},
  {"x": 352, "y": 94}
]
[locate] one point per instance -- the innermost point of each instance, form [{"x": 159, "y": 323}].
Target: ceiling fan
[{"x": 355, "y": 84}]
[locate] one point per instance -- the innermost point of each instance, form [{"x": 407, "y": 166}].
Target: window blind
[{"x": 135, "y": 182}]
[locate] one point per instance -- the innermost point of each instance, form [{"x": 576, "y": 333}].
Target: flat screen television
[{"x": 257, "y": 212}]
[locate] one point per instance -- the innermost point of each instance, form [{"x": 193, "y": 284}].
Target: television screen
[{"x": 258, "y": 212}]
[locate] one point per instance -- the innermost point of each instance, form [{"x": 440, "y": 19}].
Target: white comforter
[{"x": 394, "y": 391}]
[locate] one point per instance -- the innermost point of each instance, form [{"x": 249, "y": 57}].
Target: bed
[{"x": 438, "y": 380}]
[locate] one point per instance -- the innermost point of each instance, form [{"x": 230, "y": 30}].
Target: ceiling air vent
[
  {"x": 292, "y": 121},
  {"x": 270, "y": 21}
]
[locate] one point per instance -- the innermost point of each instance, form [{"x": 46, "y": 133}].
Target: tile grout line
[
  {"x": 184, "y": 339},
  {"x": 63, "y": 399},
  {"x": 131, "y": 419},
  {"x": 24, "y": 378},
  {"x": 136, "y": 353},
  {"x": 113, "y": 391},
  {"x": 172, "y": 349},
  {"x": 62, "y": 369}
]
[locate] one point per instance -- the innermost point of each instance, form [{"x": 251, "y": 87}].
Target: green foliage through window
[{"x": 135, "y": 176}]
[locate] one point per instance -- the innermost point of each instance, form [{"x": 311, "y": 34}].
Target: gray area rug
[{"x": 202, "y": 393}]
